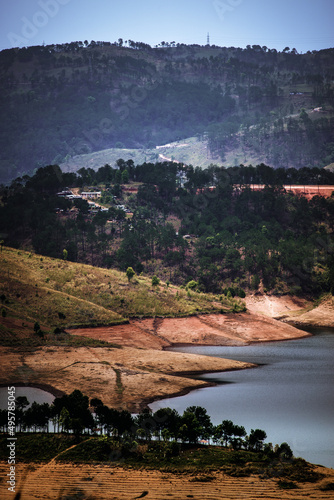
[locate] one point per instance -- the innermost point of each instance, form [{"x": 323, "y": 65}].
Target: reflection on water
[{"x": 290, "y": 395}]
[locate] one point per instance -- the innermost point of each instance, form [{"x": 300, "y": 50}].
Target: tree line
[
  {"x": 229, "y": 235},
  {"x": 75, "y": 414}
]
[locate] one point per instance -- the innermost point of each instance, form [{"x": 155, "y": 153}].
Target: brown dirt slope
[
  {"x": 207, "y": 329},
  {"x": 322, "y": 315},
  {"x": 122, "y": 378},
  {"x": 273, "y": 306},
  {"x": 105, "y": 482},
  {"x": 140, "y": 371},
  {"x": 293, "y": 310}
]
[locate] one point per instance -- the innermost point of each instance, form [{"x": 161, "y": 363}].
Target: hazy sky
[{"x": 301, "y": 24}]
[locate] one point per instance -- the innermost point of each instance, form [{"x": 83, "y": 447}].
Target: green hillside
[
  {"x": 58, "y": 294},
  {"x": 244, "y": 105}
]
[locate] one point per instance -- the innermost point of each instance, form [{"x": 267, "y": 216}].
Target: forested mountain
[
  {"x": 205, "y": 229},
  {"x": 247, "y": 105}
]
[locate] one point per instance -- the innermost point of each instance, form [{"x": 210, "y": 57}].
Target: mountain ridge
[{"x": 247, "y": 105}]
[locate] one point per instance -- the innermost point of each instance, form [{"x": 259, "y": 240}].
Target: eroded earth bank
[{"x": 136, "y": 369}]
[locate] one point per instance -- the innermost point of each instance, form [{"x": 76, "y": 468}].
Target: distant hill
[{"x": 243, "y": 105}]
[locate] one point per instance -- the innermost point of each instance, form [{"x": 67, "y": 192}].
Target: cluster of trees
[
  {"x": 82, "y": 97},
  {"x": 238, "y": 237},
  {"x": 284, "y": 141},
  {"x": 75, "y": 414}
]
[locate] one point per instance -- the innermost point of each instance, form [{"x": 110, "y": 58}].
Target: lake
[
  {"x": 31, "y": 393},
  {"x": 290, "y": 395}
]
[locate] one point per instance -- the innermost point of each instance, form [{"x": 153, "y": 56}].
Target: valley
[{"x": 154, "y": 200}]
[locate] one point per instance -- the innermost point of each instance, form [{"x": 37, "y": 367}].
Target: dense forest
[
  {"x": 58, "y": 101},
  {"x": 205, "y": 229}
]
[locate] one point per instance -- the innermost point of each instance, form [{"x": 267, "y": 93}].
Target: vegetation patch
[
  {"x": 38, "y": 447},
  {"x": 287, "y": 485},
  {"x": 327, "y": 486},
  {"x": 30, "y": 300}
]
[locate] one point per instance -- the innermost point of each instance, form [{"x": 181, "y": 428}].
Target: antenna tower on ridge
[{"x": 208, "y": 39}]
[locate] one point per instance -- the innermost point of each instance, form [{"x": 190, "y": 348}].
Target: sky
[{"x": 300, "y": 24}]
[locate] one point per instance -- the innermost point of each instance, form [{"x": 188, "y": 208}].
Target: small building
[
  {"x": 91, "y": 195},
  {"x": 64, "y": 194}
]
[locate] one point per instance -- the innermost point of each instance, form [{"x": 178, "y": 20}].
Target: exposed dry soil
[
  {"x": 105, "y": 482},
  {"x": 208, "y": 329},
  {"x": 321, "y": 316},
  {"x": 122, "y": 378},
  {"x": 140, "y": 371}
]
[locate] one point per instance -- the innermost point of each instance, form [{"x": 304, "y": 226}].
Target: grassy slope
[{"x": 58, "y": 293}]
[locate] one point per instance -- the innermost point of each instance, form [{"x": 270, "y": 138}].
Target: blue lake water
[{"x": 290, "y": 395}]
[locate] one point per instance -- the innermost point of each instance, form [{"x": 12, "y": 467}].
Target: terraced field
[{"x": 105, "y": 482}]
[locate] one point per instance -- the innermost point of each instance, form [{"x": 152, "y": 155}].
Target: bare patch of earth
[
  {"x": 108, "y": 482},
  {"x": 275, "y": 307},
  {"x": 122, "y": 378},
  {"x": 322, "y": 315},
  {"x": 206, "y": 329},
  {"x": 141, "y": 370},
  {"x": 293, "y": 310}
]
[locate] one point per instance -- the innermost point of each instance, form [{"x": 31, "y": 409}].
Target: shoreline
[
  {"x": 127, "y": 378},
  {"x": 149, "y": 366},
  {"x": 57, "y": 393},
  {"x": 304, "y": 326},
  {"x": 190, "y": 375}
]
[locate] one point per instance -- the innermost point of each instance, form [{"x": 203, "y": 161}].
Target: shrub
[
  {"x": 192, "y": 285},
  {"x": 37, "y": 330},
  {"x": 284, "y": 451},
  {"x": 130, "y": 273},
  {"x": 155, "y": 280},
  {"x": 233, "y": 291}
]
